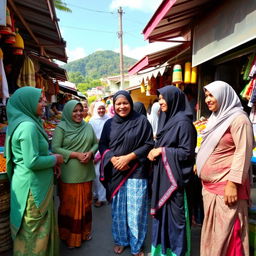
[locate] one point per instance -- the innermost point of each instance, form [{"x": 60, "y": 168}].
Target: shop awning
[
  {"x": 175, "y": 18},
  {"x": 38, "y": 26},
  {"x": 157, "y": 58},
  {"x": 67, "y": 89},
  {"x": 50, "y": 68}
]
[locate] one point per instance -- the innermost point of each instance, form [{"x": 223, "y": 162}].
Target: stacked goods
[
  {"x": 5, "y": 233},
  {"x": 200, "y": 125},
  {"x": 49, "y": 127},
  {"x": 2, "y": 163}
]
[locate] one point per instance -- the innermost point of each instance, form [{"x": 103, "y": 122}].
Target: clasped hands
[
  {"x": 120, "y": 163},
  {"x": 85, "y": 157}
]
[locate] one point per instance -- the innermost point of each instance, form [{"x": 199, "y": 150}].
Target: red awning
[
  {"x": 175, "y": 18},
  {"x": 157, "y": 58}
]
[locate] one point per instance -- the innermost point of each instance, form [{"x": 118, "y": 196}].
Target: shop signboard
[{"x": 2, "y": 12}]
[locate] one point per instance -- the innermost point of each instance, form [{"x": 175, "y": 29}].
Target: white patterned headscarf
[
  {"x": 229, "y": 107},
  {"x": 96, "y": 120}
]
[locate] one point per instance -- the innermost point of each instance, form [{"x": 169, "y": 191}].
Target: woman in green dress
[
  {"x": 30, "y": 168},
  {"x": 76, "y": 141}
]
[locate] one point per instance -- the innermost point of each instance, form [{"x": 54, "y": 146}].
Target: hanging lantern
[
  {"x": 187, "y": 73},
  {"x": 7, "y": 30},
  {"x": 1, "y": 54},
  {"x": 193, "y": 75},
  {"x": 148, "y": 87},
  {"x": 18, "y": 45},
  {"x": 177, "y": 74},
  {"x": 142, "y": 87}
]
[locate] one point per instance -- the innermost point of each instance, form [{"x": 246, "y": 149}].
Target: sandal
[
  {"x": 118, "y": 249},
  {"x": 141, "y": 253},
  {"x": 98, "y": 204},
  {"x": 88, "y": 238}
]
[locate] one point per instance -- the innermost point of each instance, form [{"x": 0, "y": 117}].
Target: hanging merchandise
[
  {"x": 142, "y": 86},
  {"x": 177, "y": 75},
  {"x": 148, "y": 89},
  {"x": 187, "y": 74},
  {"x": 253, "y": 68},
  {"x": 248, "y": 67},
  {"x": 27, "y": 74},
  {"x": 18, "y": 46},
  {"x": 7, "y": 30},
  {"x": 193, "y": 75},
  {"x": 247, "y": 91},
  {"x": 4, "y": 91},
  {"x": 253, "y": 95},
  {"x": 10, "y": 39}
]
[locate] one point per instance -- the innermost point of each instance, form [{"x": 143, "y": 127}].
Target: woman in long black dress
[
  {"x": 173, "y": 159},
  {"x": 125, "y": 142}
]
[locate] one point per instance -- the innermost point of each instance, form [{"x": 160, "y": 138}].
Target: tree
[{"x": 62, "y": 6}]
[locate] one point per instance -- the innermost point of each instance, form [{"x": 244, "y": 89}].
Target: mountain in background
[{"x": 99, "y": 64}]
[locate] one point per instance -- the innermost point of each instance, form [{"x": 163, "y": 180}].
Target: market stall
[{"x": 30, "y": 42}]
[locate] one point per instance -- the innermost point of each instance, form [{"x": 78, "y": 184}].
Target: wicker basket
[{"x": 5, "y": 233}]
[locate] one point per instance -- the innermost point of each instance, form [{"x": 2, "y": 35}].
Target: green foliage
[
  {"x": 62, "y": 6},
  {"x": 97, "y": 65},
  {"x": 92, "y": 99}
]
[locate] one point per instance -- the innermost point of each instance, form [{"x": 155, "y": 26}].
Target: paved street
[{"x": 102, "y": 243}]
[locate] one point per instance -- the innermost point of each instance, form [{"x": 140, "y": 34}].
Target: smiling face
[
  {"x": 41, "y": 105},
  {"x": 77, "y": 114},
  {"x": 211, "y": 101},
  {"x": 162, "y": 103},
  {"x": 101, "y": 111},
  {"x": 85, "y": 109},
  {"x": 122, "y": 107}
]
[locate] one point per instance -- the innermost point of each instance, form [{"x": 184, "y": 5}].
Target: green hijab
[
  {"x": 21, "y": 107},
  {"x": 67, "y": 123}
]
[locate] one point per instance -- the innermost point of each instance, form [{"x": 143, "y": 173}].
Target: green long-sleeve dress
[
  {"x": 75, "y": 186},
  {"x": 30, "y": 169}
]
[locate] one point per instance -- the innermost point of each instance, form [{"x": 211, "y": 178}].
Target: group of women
[{"x": 128, "y": 153}]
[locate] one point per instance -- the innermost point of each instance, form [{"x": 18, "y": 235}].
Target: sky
[{"x": 93, "y": 25}]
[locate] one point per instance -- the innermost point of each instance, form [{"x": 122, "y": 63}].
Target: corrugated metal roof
[
  {"x": 38, "y": 26},
  {"x": 175, "y": 18}
]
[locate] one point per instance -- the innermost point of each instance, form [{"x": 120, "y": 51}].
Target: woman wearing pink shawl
[{"x": 223, "y": 163}]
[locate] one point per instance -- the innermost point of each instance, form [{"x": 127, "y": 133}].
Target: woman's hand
[
  {"x": 59, "y": 159},
  {"x": 154, "y": 153},
  {"x": 121, "y": 163},
  {"x": 230, "y": 193},
  {"x": 57, "y": 171},
  {"x": 87, "y": 157}
]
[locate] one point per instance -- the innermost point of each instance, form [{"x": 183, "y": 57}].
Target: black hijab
[
  {"x": 140, "y": 108},
  {"x": 121, "y": 136},
  {"x": 178, "y": 109}
]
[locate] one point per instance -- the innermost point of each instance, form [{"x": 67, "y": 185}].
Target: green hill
[{"x": 99, "y": 64}]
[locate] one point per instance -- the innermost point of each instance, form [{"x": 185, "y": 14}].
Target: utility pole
[{"x": 120, "y": 36}]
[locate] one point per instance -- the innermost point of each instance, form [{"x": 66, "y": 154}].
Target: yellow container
[
  {"x": 187, "y": 74},
  {"x": 177, "y": 74},
  {"x": 193, "y": 75}
]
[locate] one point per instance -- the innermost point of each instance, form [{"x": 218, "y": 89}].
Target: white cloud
[
  {"x": 142, "y": 5},
  {"x": 140, "y": 52},
  {"x": 75, "y": 54}
]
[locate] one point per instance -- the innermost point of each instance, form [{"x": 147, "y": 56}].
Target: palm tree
[{"x": 60, "y": 5}]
